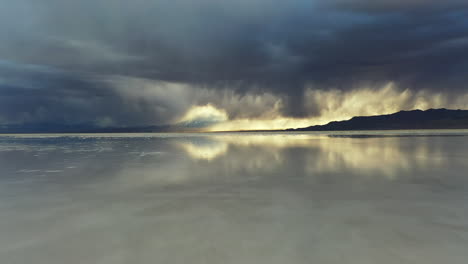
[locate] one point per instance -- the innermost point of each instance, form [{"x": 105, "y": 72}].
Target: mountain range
[{"x": 414, "y": 119}]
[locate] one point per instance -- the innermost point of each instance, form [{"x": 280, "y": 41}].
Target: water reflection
[
  {"x": 204, "y": 148},
  {"x": 233, "y": 198},
  {"x": 154, "y": 160},
  {"x": 319, "y": 153}
]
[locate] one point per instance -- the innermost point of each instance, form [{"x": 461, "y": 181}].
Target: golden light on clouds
[
  {"x": 330, "y": 105},
  {"x": 205, "y": 112},
  {"x": 260, "y": 124}
]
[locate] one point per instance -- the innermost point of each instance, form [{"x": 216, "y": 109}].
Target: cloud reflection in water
[{"x": 385, "y": 156}]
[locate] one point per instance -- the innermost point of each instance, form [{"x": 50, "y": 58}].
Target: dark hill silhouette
[{"x": 415, "y": 119}]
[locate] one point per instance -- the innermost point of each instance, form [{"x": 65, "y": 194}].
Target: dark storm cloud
[
  {"x": 250, "y": 47},
  {"x": 30, "y": 94},
  {"x": 36, "y": 94}
]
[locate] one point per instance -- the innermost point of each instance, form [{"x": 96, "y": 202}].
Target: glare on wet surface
[{"x": 373, "y": 197}]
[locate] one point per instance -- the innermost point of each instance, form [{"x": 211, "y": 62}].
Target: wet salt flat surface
[{"x": 374, "y": 197}]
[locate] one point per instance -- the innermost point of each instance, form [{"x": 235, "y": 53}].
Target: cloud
[
  {"x": 149, "y": 62},
  {"x": 33, "y": 94},
  {"x": 202, "y": 116},
  {"x": 335, "y": 104}
]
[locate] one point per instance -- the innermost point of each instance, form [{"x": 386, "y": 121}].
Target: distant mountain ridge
[
  {"x": 49, "y": 127},
  {"x": 87, "y": 128},
  {"x": 414, "y": 119}
]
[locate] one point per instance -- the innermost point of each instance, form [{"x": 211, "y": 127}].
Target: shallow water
[{"x": 373, "y": 197}]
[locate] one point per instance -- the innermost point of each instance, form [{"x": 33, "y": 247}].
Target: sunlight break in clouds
[
  {"x": 332, "y": 105},
  {"x": 204, "y": 113}
]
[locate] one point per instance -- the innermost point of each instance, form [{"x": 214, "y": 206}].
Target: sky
[{"x": 228, "y": 65}]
